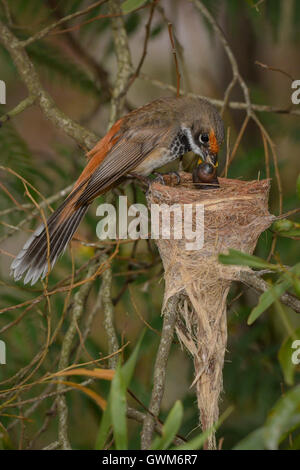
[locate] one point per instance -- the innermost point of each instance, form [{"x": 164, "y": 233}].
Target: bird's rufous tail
[{"x": 61, "y": 226}]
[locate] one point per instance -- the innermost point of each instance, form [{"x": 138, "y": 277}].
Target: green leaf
[
  {"x": 283, "y": 225},
  {"x": 285, "y": 358},
  {"x": 170, "y": 428},
  {"x": 118, "y": 410},
  {"x": 254, "y": 441},
  {"x": 267, "y": 299},
  {"x": 129, "y": 366},
  {"x": 296, "y": 285},
  {"x": 127, "y": 372},
  {"x": 104, "y": 428},
  {"x": 199, "y": 441},
  {"x": 281, "y": 418},
  {"x": 298, "y": 186},
  {"x": 130, "y": 5},
  {"x": 244, "y": 259}
]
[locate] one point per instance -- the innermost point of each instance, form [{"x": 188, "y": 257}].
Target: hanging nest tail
[{"x": 235, "y": 215}]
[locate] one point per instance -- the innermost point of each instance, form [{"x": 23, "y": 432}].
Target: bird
[
  {"x": 203, "y": 173},
  {"x": 145, "y": 139}
]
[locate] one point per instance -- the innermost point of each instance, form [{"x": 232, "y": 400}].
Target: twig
[
  {"x": 274, "y": 69},
  {"x": 29, "y": 76},
  {"x": 145, "y": 48},
  {"x": 41, "y": 34},
  {"x": 219, "y": 103},
  {"x": 78, "y": 48},
  {"x": 54, "y": 445},
  {"x": 227, "y": 95},
  {"x": 29, "y": 101},
  {"x": 108, "y": 309},
  {"x": 259, "y": 285},
  {"x": 160, "y": 368},
  {"x": 140, "y": 417},
  {"x": 80, "y": 299},
  {"x": 227, "y": 152},
  {"x": 234, "y": 66},
  {"x": 123, "y": 60},
  {"x": 237, "y": 142},
  {"x": 178, "y": 76}
]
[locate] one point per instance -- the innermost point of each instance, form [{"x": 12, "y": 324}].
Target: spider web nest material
[{"x": 234, "y": 217}]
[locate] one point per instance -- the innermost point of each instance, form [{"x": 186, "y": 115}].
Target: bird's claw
[{"x": 159, "y": 177}]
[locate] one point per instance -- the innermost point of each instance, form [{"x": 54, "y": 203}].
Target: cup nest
[{"x": 235, "y": 214}]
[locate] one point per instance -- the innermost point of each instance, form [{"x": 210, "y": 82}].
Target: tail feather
[{"x": 32, "y": 259}]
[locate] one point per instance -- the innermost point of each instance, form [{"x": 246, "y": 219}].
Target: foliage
[{"x": 260, "y": 379}]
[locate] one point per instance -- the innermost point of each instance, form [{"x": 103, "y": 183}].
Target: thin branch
[
  {"x": 237, "y": 105},
  {"x": 24, "y": 104},
  {"x": 78, "y": 48},
  {"x": 234, "y": 66},
  {"x": 41, "y": 34},
  {"x": 145, "y": 48},
  {"x": 178, "y": 76},
  {"x": 160, "y": 369},
  {"x": 79, "y": 303},
  {"x": 237, "y": 143},
  {"x": 274, "y": 69},
  {"x": 30, "y": 78},
  {"x": 124, "y": 63},
  {"x": 253, "y": 280},
  {"x": 108, "y": 309},
  {"x": 140, "y": 417}
]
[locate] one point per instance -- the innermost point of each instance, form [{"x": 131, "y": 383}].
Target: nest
[{"x": 234, "y": 217}]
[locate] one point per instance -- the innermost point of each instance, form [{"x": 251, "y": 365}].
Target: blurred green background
[{"x": 268, "y": 32}]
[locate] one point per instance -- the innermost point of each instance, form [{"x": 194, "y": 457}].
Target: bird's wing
[{"x": 129, "y": 150}]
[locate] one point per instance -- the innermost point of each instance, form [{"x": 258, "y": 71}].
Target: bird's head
[{"x": 204, "y": 130}]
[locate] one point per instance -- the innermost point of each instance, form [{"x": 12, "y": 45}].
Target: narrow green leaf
[
  {"x": 296, "y": 285},
  {"x": 281, "y": 418},
  {"x": 267, "y": 299},
  {"x": 127, "y": 372},
  {"x": 290, "y": 233},
  {"x": 104, "y": 427},
  {"x": 254, "y": 441},
  {"x": 244, "y": 259},
  {"x": 198, "y": 441},
  {"x": 170, "y": 428},
  {"x": 285, "y": 358},
  {"x": 298, "y": 186},
  {"x": 129, "y": 366},
  {"x": 130, "y": 5},
  {"x": 118, "y": 410}
]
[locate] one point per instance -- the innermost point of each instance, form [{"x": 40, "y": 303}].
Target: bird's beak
[
  {"x": 212, "y": 158},
  {"x": 210, "y": 155}
]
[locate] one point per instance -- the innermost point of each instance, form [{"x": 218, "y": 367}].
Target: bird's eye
[{"x": 204, "y": 138}]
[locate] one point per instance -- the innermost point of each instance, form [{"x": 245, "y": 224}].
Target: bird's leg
[
  {"x": 160, "y": 176},
  {"x": 180, "y": 165},
  {"x": 144, "y": 180}
]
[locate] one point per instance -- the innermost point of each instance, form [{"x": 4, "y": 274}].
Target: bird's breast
[{"x": 157, "y": 158}]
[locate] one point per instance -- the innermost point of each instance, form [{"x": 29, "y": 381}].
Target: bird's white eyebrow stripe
[{"x": 191, "y": 141}]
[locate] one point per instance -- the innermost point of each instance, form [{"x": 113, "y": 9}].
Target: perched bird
[
  {"x": 205, "y": 173},
  {"x": 138, "y": 143}
]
